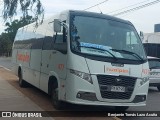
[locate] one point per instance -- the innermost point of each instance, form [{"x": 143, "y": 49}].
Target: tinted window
[
  {"x": 90, "y": 34},
  {"x": 47, "y": 43}
]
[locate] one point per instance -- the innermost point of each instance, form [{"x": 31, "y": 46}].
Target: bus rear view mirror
[{"x": 57, "y": 25}]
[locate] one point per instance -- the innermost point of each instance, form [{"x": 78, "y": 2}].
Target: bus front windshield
[{"x": 105, "y": 38}]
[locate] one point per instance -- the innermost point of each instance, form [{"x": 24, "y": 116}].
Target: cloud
[{"x": 143, "y": 19}]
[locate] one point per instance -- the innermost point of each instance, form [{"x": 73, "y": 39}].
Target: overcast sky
[{"x": 143, "y": 19}]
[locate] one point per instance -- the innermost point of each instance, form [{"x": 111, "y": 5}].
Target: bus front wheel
[{"x": 54, "y": 96}]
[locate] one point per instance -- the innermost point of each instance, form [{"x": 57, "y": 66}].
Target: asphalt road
[
  {"x": 153, "y": 99},
  {"x": 6, "y": 62},
  {"x": 153, "y": 104}
]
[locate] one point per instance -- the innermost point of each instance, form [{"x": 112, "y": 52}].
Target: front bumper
[
  {"x": 85, "y": 93},
  {"x": 99, "y": 103}
]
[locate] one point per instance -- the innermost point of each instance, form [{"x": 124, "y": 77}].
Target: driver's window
[
  {"x": 61, "y": 37},
  {"x": 132, "y": 42},
  {"x": 60, "y": 40}
]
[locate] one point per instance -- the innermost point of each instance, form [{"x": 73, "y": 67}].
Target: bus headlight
[
  {"x": 144, "y": 80},
  {"x": 82, "y": 75}
]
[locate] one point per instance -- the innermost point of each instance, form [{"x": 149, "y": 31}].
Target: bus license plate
[{"x": 118, "y": 89}]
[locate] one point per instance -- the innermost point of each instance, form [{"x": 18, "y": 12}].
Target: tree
[
  {"x": 12, "y": 27},
  {"x": 5, "y": 45},
  {"x": 33, "y": 7},
  {"x": 7, "y": 38}
]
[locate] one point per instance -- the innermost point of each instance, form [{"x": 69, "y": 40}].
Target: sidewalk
[{"x": 12, "y": 100}]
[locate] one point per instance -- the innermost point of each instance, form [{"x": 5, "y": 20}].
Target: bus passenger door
[
  {"x": 59, "y": 54},
  {"x": 58, "y": 61},
  {"x": 45, "y": 62}
]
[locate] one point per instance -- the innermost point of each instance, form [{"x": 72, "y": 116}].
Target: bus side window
[
  {"x": 59, "y": 38},
  {"x": 48, "y": 39},
  {"x": 60, "y": 41},
  {"x": 62, "y": 36},
  {"x": 47, "y": 42}
]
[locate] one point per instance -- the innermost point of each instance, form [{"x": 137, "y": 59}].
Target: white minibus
[{"x": 83, "y": 58}]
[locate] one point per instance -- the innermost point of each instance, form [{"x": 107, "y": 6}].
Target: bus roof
[
  {"x": 85, "y": 13},
  {"x": 99, "y": 15}
]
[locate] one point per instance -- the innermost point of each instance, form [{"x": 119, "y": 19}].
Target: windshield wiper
[
  {"x": 101, "y": 50},
  {"x": 128, "y": 52}
]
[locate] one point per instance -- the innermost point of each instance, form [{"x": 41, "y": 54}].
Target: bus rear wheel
[
  {"x": 22, "y": 83},
  {"x": 54, "y": 97}
]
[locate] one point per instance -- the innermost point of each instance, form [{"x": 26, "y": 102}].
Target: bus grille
[{"x": 106, "y": 81}]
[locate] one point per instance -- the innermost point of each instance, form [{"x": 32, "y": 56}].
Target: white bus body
[{"x": 93, "y": 59}]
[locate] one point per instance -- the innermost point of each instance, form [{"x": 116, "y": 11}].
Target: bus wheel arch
[{"x": 53, "y": 92}]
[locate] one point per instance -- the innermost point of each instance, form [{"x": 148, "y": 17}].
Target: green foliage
[
  {"x": 27, "y": 7},
  {"x": 12, "y": 27},
  {"x": 7, "y": 38},
  {"x": 33, "y": 7},
  {"x": 5, "y": 44}
]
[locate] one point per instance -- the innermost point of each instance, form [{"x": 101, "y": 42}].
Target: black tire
[
  {"x": 54, "y": 97},
  {"x": 158, "y": 87},
  {"x": 121, "y": 108},
  {"x": 22, "y": 83}
]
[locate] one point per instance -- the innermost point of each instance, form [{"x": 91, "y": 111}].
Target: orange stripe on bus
[{"x": 23, "y": 57}]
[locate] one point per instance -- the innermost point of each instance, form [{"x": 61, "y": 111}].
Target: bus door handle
[{"x": 47, "y": 65}]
